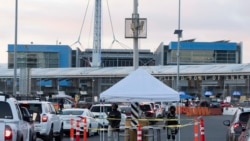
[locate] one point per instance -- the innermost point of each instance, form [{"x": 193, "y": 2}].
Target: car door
[
  {"x": 54, "y": 117},
  {"x": 2, "y": 128},
  {"x": 23, "y": 126},
  {"x": 94, "y": 123}
]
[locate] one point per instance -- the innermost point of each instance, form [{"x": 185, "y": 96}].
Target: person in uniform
[
  {"x": 171, "y": 123},
  {"x": 114, "y": 118}
]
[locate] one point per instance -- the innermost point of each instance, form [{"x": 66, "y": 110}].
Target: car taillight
[
  {"x": 7, "y": 133},
  {"x": 44, "y": 118},
  {"x": 236, "y": 125},
  {"x": 150, "y": 111}
]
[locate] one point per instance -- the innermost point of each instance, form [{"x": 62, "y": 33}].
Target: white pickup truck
[
  {"x": 14, "y": 125},
  {"x": 47, "y": 124}
]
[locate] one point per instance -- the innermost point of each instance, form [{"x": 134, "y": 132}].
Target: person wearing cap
[
  {"x": 171, "y": 123},
  {"x": 114, "y": 118}
]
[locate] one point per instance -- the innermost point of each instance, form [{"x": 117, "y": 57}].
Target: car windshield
[
  {"x": 70, "y": 112},
  {"x": 101, "y": 109},
  {"x": 145, "y": 107},
  {"x": 244, "y": 117},
  {"x": 125, "y": 109},
  {"x": 35, "y": 109},
  {"x": 32, "y": 108}
]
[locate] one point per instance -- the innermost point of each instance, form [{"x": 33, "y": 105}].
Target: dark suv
[{"x": 236, "y": 124}]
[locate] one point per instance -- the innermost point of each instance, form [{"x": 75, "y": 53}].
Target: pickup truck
[
  {"x": 14, "y": 126},
  {"x": 47, "y": 124}
]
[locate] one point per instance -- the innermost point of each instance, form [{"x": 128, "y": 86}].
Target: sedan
[
  {"x": 236, "y": 124},
  {"x": 78, "y": 114},
  {"x": 244, "y": 136}
]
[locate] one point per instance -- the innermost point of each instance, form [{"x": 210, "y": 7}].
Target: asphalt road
[{"x": 214, "y": 130}]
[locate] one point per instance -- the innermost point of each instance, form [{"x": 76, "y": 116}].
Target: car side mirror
[{"x": 226, "y": 122}]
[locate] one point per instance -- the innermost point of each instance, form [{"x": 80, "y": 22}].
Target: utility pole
[
  {"x": 96, "y": 52},
  {"x": 178, "y": 32},
  {"x": 135, "y": 28},
  {"x": 15, "y": 46},
  {"x": 135, "y": 18}
]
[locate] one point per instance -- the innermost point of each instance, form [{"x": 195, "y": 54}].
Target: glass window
[
  {"x": 19, "y": 113},
  {"x": 102, "y": 108},
  {"x": 32, "y": 108},
  {"x": 52, "y": 109},
  {"x": 72, "y": 112},
  {"x": 7, "y": 112},
  {"x": 244, "y": 117}
]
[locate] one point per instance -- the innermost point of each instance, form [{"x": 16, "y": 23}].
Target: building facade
[
  {"x": 199, "y": 53},
  {"x": 117, "y": 58},
  {"x": 203, "y": 69},
  {"x": 197, "y": 80},
  {"x": 40, "y": 56}
]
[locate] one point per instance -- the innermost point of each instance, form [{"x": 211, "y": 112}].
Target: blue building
[
  {"x": 199, "y": 53},
  {"x": 40, "y": 56}
]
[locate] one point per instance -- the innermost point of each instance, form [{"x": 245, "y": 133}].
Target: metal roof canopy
[{"x": 222, "y": 69}]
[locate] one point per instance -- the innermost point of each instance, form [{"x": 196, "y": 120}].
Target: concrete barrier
[{"x": 215, "y": 111}]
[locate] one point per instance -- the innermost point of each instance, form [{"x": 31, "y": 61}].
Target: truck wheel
[
  {"x": 49, "y": 137},
  {"x": 60, "y": 136}
]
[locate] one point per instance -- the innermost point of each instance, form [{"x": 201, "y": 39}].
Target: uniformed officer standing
[
  {"x": 114, "y": 118},
  {"x": 171, "y": 123}
]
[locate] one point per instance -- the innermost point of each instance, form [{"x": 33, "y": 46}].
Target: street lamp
[
  {"x": 15, "y": 64},
  {"x": 178, "y": 32},
  {"x": 93, "y": 90}
]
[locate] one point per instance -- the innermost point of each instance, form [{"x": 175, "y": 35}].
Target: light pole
[
  {"x": 15, "y": 64},
  {"x": 178, "y": 32},
  {"x": 93, "y": 90},
  {"x": 135, "y": 17},
  {"x": 5, "y": 86}
]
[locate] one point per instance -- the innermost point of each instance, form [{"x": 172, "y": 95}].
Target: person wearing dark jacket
[
  {"x": 114, "y": 118},
  {"x": 171, "y": 123},
  {"x": 61, "y": 102}
]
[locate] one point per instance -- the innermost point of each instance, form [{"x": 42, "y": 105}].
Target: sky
[{"x": 59, "y": 21}]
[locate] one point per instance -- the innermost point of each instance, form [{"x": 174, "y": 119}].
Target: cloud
[{"x": 46, "y": 22}]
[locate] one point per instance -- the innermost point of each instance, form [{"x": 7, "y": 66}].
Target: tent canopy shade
[
  {"x": 139, "y": 86},
  {"x": 184, "y": 95}
]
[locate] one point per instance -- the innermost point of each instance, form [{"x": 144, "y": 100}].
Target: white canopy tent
[{"x": 139, "y": 86}]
